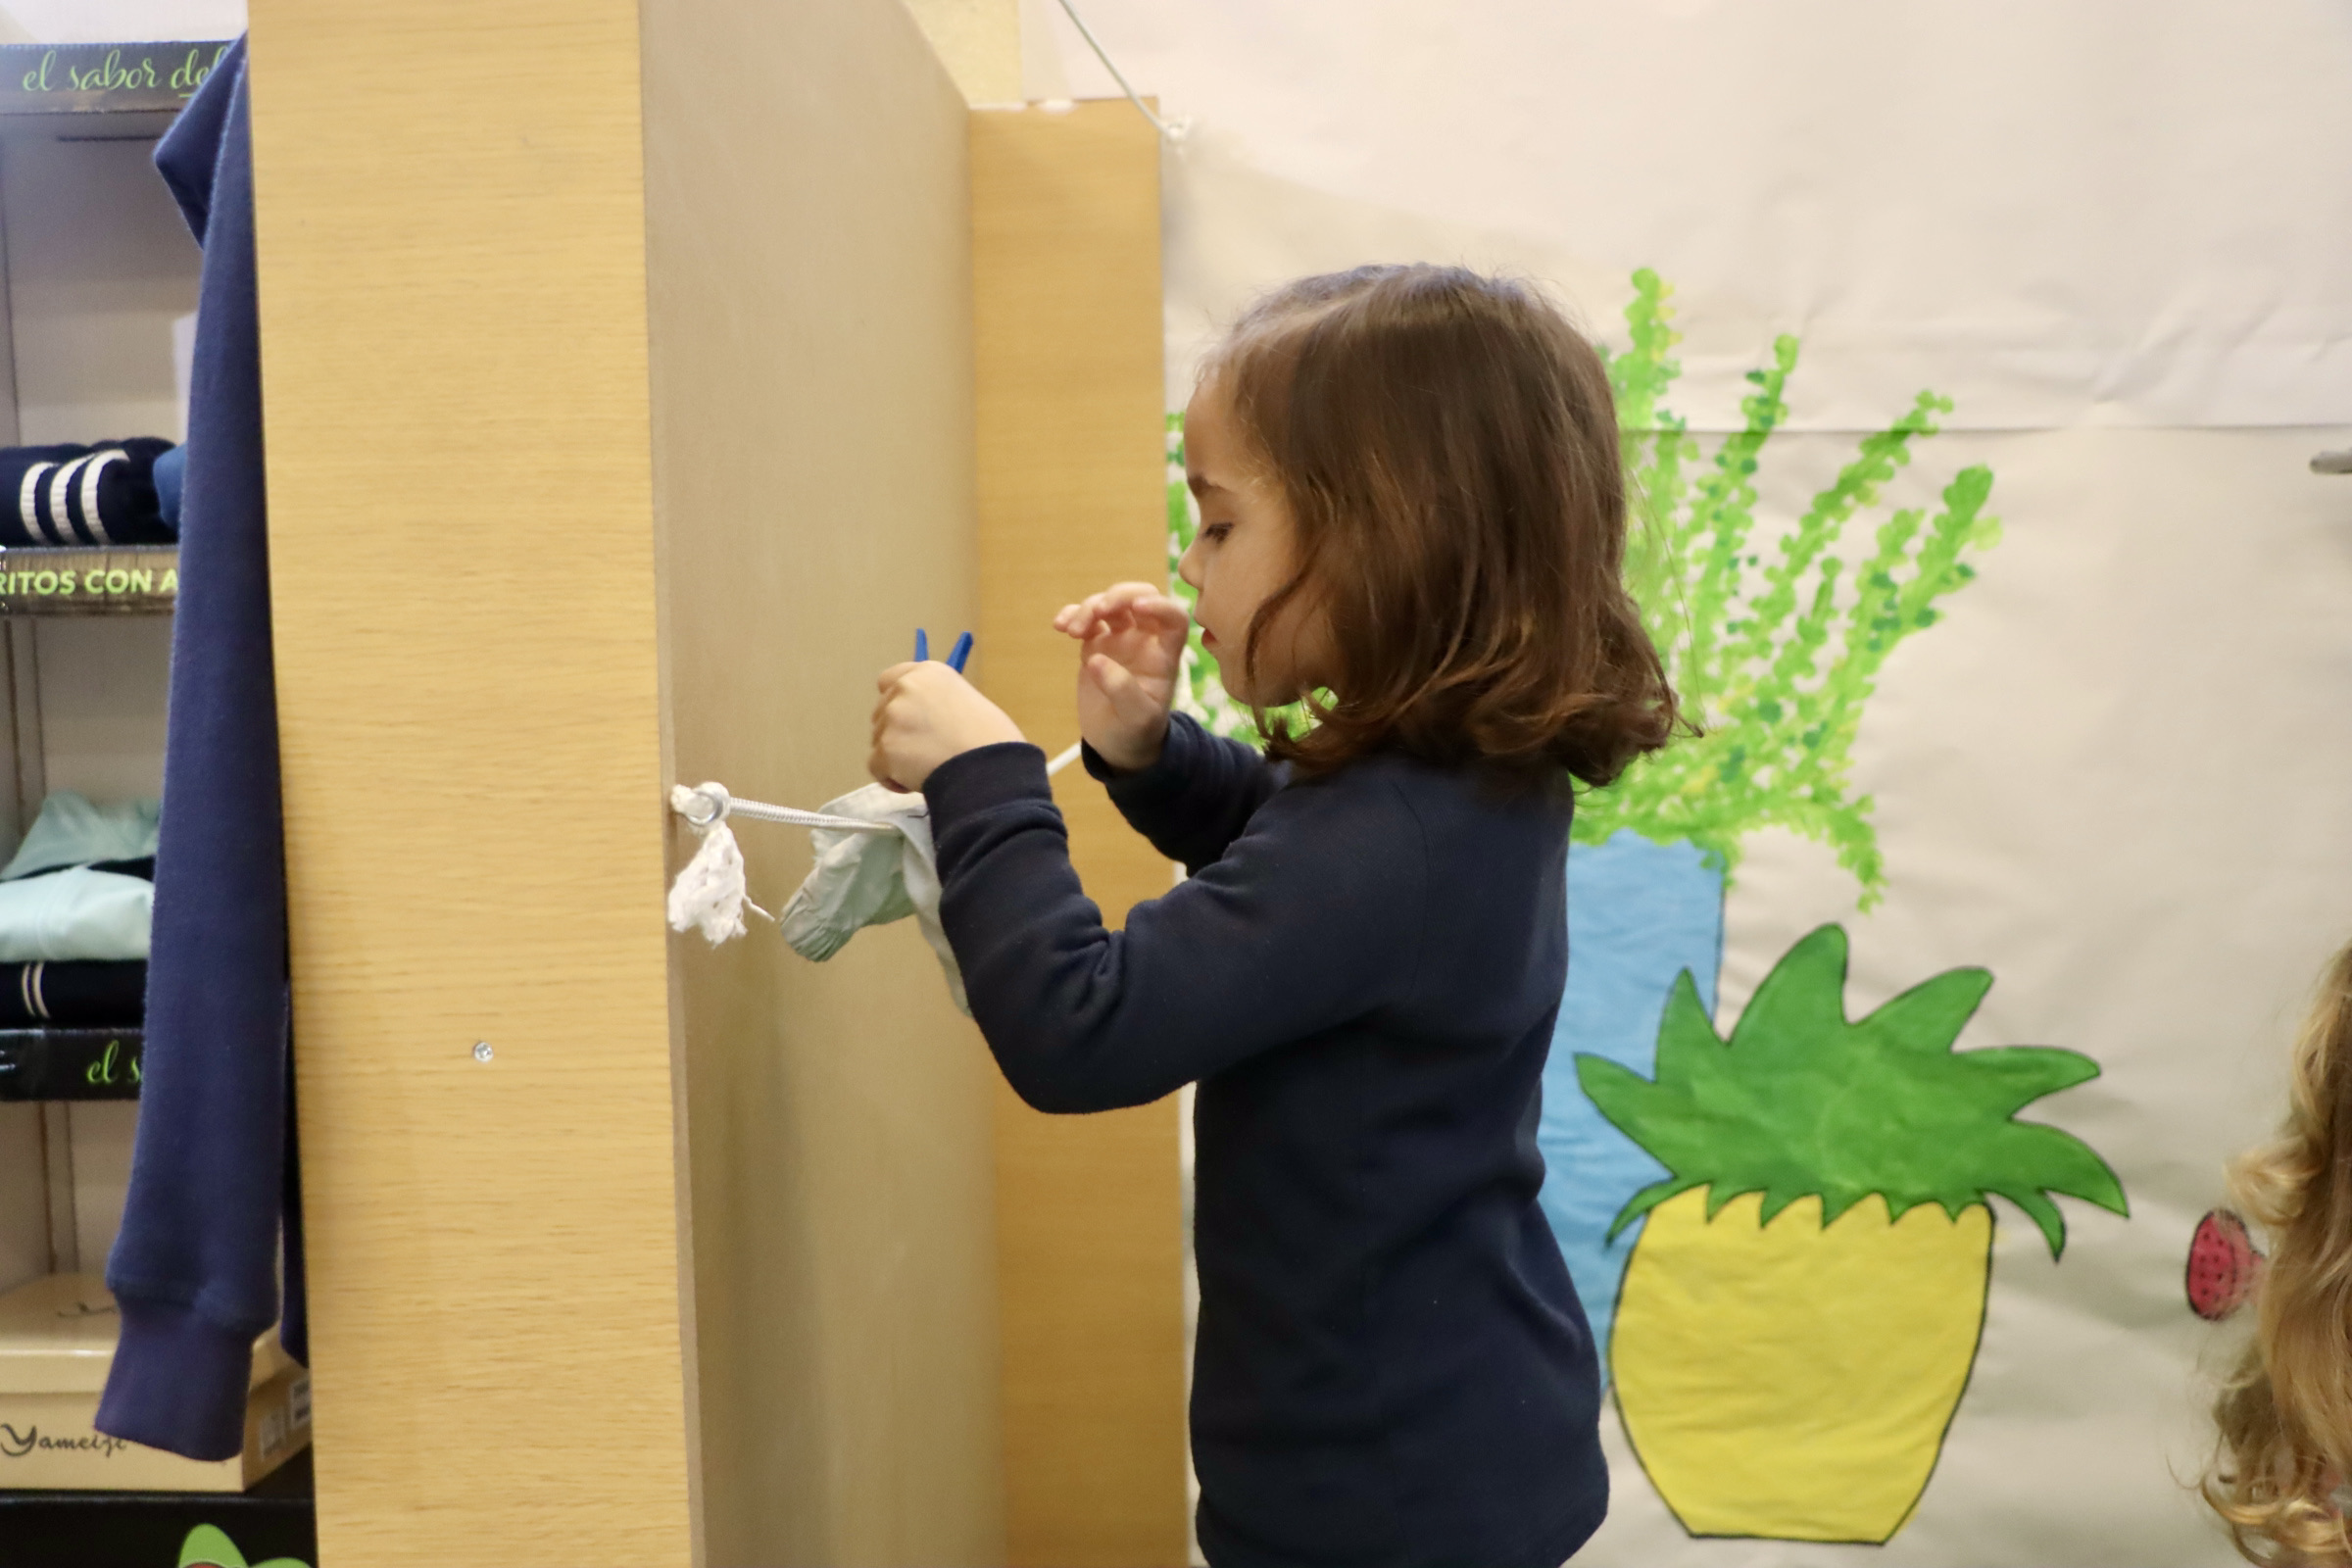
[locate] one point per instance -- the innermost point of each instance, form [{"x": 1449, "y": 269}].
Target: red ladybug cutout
[{"x": 2222, "y": 1266}]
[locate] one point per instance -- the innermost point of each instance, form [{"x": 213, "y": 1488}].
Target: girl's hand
[
  {"x": 1133, "y": 650},
  {"x": 927, "y": 715}
]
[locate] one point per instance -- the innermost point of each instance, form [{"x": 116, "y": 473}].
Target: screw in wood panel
[{"x": 482, "y": 1051}]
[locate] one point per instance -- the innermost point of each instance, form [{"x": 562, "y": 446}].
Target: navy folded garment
[
  {"x": 74, "y": 994},
  {"x": 171, "y": 483},
  {"x": 69, "y": 495}
]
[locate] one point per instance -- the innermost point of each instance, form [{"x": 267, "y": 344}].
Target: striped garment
[
  {"x": 73, "y": 495},
  {"x": 70, "y": 993}
]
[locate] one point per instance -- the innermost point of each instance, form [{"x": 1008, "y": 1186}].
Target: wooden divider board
[
  {"x": 810, "y": 260},
  {"x": 452, "y": 239},
  {"x": 1065, "y": 225},
  {"x": 454, "y": 221}
]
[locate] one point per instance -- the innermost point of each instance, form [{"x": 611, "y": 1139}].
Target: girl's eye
[{"x": 1215, "y": 532}]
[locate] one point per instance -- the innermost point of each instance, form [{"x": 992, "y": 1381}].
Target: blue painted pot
[{"x": 1638, "y": 914}]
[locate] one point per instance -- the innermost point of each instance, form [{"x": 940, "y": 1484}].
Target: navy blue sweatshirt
[
  {"x": 1361, "y": 973},
  {"x": 195, "y": 1265}
]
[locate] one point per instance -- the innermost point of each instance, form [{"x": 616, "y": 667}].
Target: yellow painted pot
[{"x": 1792, "y": 1382}]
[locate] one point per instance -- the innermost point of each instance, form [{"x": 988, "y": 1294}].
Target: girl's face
[{"x": 1243, "y": 555}]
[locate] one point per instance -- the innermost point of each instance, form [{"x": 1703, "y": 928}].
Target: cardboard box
[{"x": 57, "y": 1341}]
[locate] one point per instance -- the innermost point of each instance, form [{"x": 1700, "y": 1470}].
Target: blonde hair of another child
[{"x": 2285, "y": 1417}]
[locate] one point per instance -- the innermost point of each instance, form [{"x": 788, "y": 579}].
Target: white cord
[
  {"x": 792, "y": 818},
  {"x": 712, "y": 804},
  {"x": 1173, "y": 130},
  {"x": 708, "y": 894}
]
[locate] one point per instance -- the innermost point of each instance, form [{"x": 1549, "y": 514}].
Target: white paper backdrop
[{"x": 2119, "y": 236}]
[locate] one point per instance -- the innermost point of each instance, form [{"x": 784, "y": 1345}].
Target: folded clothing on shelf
[
  {"x": 72, "y": 994},
  {"x": 94, "y": 495},
  {"x": 71, "y": 829},
  {"x": 81, "y": 886},
  {"x": 76, "y": 913},
  {"x": 171, "y": 483}
]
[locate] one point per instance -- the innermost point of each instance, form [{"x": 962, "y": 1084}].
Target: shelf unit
[
  {"x": 132, "y": 580},
  {"x": 96, "y": 315},
  {"x": 66, "y": 1064},
  {"x": 78, "y": 1063},
  {"x": 276, "y": 1518}
]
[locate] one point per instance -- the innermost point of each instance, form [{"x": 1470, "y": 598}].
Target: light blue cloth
[
  {"x": 78, "y": 913},
  {"x": 72, "y": 830}
]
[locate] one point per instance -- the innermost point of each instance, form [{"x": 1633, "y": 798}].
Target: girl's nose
[{"x": 1188, "y": 568}]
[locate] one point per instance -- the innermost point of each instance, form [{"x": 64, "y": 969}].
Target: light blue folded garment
[
  {"x": 72, "y": 830},
  {"x": 78, "y": 913}
]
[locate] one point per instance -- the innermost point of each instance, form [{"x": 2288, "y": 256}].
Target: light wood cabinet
[{"x": 637, "y": 380}]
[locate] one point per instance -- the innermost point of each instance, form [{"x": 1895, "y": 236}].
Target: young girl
[
  {"x": 2286, "y": 1418},
  {"x": 1410, "y": 508}
]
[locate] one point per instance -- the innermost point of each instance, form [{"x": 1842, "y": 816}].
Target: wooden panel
[
  {"x": 1066, "y": 222},
  {"x": 450, "y": 228},
  {"x": 979, "y": 42},
  {"x": 809, "y": 247}
]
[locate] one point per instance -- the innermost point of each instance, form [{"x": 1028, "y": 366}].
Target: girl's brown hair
[
  {"x": 1448, "y": 445},
  {"x": 2286, "y": 1417}
]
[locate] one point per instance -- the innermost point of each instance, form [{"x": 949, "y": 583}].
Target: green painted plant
[
  {"x": 1800, "y": 1102},
  {"x": 1775, "y": 658},
  {"x": 1774, "y": 651}
]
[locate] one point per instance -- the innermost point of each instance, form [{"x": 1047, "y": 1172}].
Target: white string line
[
  {"x": 1173, "y": 132},
  {"x": 792, "y": 816},
  {"x": 710, "y": 811}
]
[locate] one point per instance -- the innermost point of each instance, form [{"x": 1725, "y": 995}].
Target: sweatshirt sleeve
[
  {"x": 1312, "y": 917},
  {"x": 195, "y": 1264},
  {"x": 1198, "y": 795}
]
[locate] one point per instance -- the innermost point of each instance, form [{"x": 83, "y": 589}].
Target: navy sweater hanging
[{"x": 195, "y": 1265}]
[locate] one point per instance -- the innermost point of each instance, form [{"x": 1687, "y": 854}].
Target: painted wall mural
[
  {"x": 1796, "y": 1323},
  {"x": 2023, "y": 839},
  {"x": 1775, "y": 647},
  {"x": 1810, "y": 1400},
  {"x": 1781, "y": 1234}
]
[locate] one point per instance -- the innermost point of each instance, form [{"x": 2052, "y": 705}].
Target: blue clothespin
[{"x": 955, "y": 658}]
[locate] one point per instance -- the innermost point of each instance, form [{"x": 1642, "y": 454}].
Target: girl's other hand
[
  {"x": 928, "y": 713},
  {"x": 1132, "y": 650}
]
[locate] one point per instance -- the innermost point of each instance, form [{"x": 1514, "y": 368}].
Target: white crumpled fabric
[
  {"x": 709, "y": 895},
  {"x": 863, "y": 879}
]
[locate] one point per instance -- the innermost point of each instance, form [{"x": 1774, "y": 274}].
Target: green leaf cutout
[
  {"x": 209, "y": 1547},
  {"x": 1800, "y": 1102}
]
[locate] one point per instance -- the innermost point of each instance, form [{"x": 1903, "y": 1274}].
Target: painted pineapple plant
[
  {"x": 1800, "y": 1315},
  {"x": 1783, "y": 1237},
  {"x": 1775, "y": 612}
]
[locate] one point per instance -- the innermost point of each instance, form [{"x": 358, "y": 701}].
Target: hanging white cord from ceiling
[{"x": 1172, "y": 129}]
